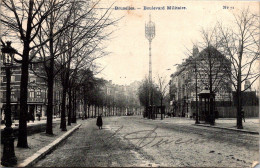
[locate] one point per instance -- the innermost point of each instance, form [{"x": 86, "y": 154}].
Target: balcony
[{"x": 29, "y": 100}]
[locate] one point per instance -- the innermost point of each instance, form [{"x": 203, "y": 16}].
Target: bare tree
[
  {"x": 212, "y": 66},
  {"x": 163, "y": 88},
  {"x": 50, "y": 51},
  {"x": 86, "y": 38},
  {"x": 87, "y": 85},
  {"x": 143, "y": 95},
  {"x": 24, "y": 20},
  {"x": 241, "y": 45}
]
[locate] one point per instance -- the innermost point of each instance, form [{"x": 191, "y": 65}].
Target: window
[
  {"x": 4, "y": 78},
  {"x": 12, "y": 94},
  {"x": 18, "y": 77},
  {"x": 45, "y": 92},
  {"x": 12, "y": 78},
  {"x": 39, "y": 93},
  {"x": 32, "y": 95}
]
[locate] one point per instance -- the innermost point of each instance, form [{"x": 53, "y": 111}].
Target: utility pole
[
  {"x": 150, "y": 34},
  {"x": 196, "y": 56},
  {"x": 196, "y": 85}
]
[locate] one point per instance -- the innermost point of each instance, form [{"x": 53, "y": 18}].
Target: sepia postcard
[{"x": 130, "y": 83}]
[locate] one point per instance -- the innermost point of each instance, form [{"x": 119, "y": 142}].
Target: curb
[
  {"x": 232, "y": 129},
  {"x": 45, "y": 150}
]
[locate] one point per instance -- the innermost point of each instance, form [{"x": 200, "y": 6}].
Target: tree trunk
[
  {"x": 70, "y": 107},
  {"x": 161, "y": 109},
  {"x": 63, "y": 109},
  {"x": 73, "y": 111},
  {"x": 239, "y": 106},
  {"x": 92, "y": 111},
  {"x": 22, "y": 135},
  {"x": 75, "y": 107},
  {"x": 113, "y": 110},
  {"x": 50, "y": 90},
  {"x": 50, "y": 98},
  {"x": 84, "y": 116},
  {"x": 95, "y": 111},
  {"x": 88, "y": 110},
  {"x": 211, "y": 100}
]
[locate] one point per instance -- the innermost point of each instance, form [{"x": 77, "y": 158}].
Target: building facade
[
  {"x": 37, "y": 92},
  {"x": 183, "y": 81},
  {"x": 124, "y": 97}
]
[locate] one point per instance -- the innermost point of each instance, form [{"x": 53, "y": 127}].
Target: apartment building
[
  {"x": 37, "y": 92},
  {"x": 183, "y": 81}
]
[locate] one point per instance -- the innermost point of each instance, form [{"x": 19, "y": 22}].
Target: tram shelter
[{"x": 206, "y": 100}]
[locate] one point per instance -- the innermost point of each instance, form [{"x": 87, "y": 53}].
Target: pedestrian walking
[{"x": 99, "y": 122}]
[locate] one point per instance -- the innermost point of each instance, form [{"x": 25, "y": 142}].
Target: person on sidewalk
[{"x": 99, "y": 122}]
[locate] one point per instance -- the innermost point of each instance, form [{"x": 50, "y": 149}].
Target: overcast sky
[{"x": 175, "y": 31}]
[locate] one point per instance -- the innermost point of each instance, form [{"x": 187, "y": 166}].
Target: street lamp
[
  {"x": 8, "y": 159},
  {"x": 196, "y": 90}
]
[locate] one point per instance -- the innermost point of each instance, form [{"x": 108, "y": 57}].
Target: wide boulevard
[{"x": 135, "y": 141}]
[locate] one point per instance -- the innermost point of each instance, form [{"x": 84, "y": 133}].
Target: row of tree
[
  {"x": 66, "y": 38},
  {"x": 154, "y": 94},
  {"x": 99, "y": 94}
]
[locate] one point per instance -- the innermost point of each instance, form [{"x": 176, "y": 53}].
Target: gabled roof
[{"x": 212, "y": 50}]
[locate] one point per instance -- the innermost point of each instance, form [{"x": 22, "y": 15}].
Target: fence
[{"x": 231, "y": 112}]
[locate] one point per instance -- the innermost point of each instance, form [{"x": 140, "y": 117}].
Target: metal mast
[{"x": 150, "y": 34}]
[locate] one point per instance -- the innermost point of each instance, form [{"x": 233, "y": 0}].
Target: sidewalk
[
  {"x": 41, "y": 143},
  {"x": 251, "y": 125}
]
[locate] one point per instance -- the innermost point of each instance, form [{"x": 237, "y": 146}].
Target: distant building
[
  {"x": 182, "y": 83},
  {"x": 247, "y": 85},
  {"x": 37, "y": 91},
  {"x": 124, "y": 97}
]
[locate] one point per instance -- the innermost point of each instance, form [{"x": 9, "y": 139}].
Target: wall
[{"x": 230, "y": 112}]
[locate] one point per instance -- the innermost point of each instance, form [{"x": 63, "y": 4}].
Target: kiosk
[{"x": 206, "y": 100}]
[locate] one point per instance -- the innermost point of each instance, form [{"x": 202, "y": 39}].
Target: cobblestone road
[{"x": 134, "y": 141}]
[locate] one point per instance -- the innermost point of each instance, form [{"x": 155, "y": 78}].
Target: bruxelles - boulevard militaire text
[{"x": 151, "y": 8}]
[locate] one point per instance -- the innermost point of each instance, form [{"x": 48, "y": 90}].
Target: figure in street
[{"x": 99, "y": 122}]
